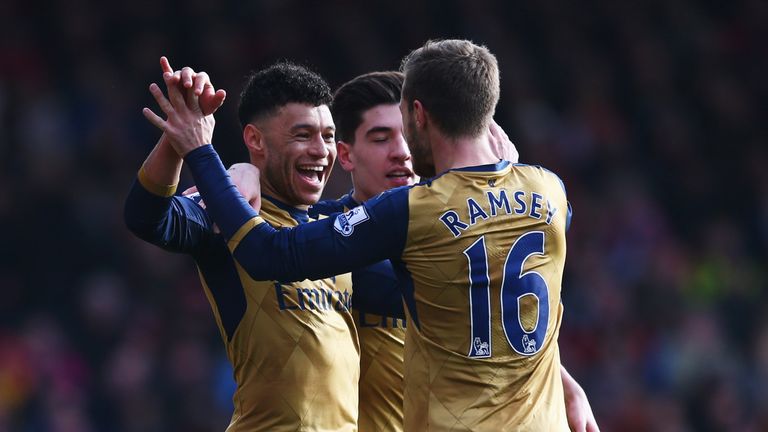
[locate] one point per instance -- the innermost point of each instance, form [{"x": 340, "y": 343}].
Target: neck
[
  {"x": 358, "y": 195},
  {"x": 268, "y": 190},
  {"x": 450, "y": 153},
  {"x": 265, "y": 186}
]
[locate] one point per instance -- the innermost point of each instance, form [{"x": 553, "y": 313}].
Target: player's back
[{"x": 485, "y": 251}]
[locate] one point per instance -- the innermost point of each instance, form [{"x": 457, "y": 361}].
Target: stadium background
[{"x": 653, "y": 113}]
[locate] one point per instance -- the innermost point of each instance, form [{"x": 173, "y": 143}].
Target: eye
[
  {"x": 380, "y": 138},
  {"x": 302, "y": 136},
  {"x": 329, "y": 138}
]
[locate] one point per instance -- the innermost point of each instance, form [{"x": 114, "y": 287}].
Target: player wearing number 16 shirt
[{"x": 480, "y": 248}]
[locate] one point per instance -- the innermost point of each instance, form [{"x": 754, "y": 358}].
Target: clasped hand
[{"x": 189, "y": 108}]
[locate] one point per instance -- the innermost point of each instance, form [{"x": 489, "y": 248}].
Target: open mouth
[
  {"x": 312, "y": 173},
  {"x": 400, "y": 177},
  {"x": 400, "y": 174}
]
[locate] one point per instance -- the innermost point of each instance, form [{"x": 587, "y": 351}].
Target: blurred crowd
[{"x": 653, "y": 113}]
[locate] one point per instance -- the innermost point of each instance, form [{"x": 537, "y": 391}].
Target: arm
[
  {"x": 577, "y": 409},
  {"x": 154, "y": 215},
  {"x": 360, "y": 237},
  {"x": 245, "y": 176},
  {"x": 376, "y": 289},
  {"x": 163, "y": 165},
  {"x": 363, "y": 236},
  {"x": 150, "y": 210}
]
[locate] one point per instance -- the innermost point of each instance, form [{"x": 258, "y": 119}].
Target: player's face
[
  {"x": 380, "y": 158},
  {"x": 300, "y": 150},
  {"x": 421, "y": 151}
]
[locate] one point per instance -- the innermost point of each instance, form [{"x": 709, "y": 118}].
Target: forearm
[
  {"x": 309, "y": 251},
  {"x": 234, "y": 217},
  {"x": 223, "y": 201},
  {"x": 377, "y": 290},
  {"x": 570, "y": 386},
  {"x": 161, "y": 170},
  {"x": 153, "y": 214}
]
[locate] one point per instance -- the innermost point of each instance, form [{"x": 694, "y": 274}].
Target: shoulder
[
  {"x": 543, "y": 174},
  {"x": 326, "y": 207},
  {"x": 395, "y": 196}
]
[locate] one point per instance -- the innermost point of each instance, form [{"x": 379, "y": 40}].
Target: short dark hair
[
  {"x": 456, "y": 81},
  {"x": 282, "y": 83},
  {"x": 360, "y": 94}
]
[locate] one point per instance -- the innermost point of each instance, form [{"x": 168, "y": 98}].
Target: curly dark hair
[
  {"x": 360, "y": 94},
  {"x": 275, "y": 86}
]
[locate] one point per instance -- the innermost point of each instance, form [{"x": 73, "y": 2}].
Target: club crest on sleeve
[{"x": 345, "y": 222}]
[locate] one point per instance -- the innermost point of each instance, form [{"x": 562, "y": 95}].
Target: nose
[
  {"x": 398, "y": 149},
  {"x": 319, "y": 148}
]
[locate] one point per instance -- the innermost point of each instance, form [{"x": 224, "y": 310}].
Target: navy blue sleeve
[
  {"x": 365, "y": 235},
  {"x": 176, "y": 224},
  {"x": 325, "y": 208},
  {"x": 376, "y": 290}
]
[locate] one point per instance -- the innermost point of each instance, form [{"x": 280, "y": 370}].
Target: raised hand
[
  {"x": 502, "y": 146},
  {"x": 209, "y": 99},
  {"x": 186, "y": 126}
]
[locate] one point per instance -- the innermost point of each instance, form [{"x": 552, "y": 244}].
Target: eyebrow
[
  {"x": 376, "y": 129},
  {"x": 300, "y": 126}
]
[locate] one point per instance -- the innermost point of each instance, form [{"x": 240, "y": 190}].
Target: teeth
[{"x": 316, "y": 168}]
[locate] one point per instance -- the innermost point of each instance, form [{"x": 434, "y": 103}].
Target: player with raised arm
[
  {"x": 371, "y": 147},
  {"x": 292, "y": 345},
  {"x": 482, "y": 246}
]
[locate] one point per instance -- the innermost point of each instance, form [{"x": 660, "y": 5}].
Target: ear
[
  {"x": 419, "y": 114},
  {"x": 253, "y": 138},
  {"x": 344, "y": 156}
]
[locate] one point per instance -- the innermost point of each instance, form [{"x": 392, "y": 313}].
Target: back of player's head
[
  {"x": 456, "y": 81},
  {"x": 360, "y": 94},
  {"x": 282, "y": 83}
]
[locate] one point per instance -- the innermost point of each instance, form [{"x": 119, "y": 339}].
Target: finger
[
  {"x": 210, "y": 101},
  {"x": 189, "y": 191},
  {"x": 202, "y": 82},
  {"x": 162, "y": 102},
  {"x": 218, "y": 99},
  {"x": 171, "y": 78},
  {"x": 577, "y": 427},
  {"x": 165, "y": 65},
  {"x": 154, "y": 119},
  {"x": 174, "y": 93},
  {"x": 187, "y": 75},
  {"x": 192, "y": 101},
  {"x": 255, "y": 203}
]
